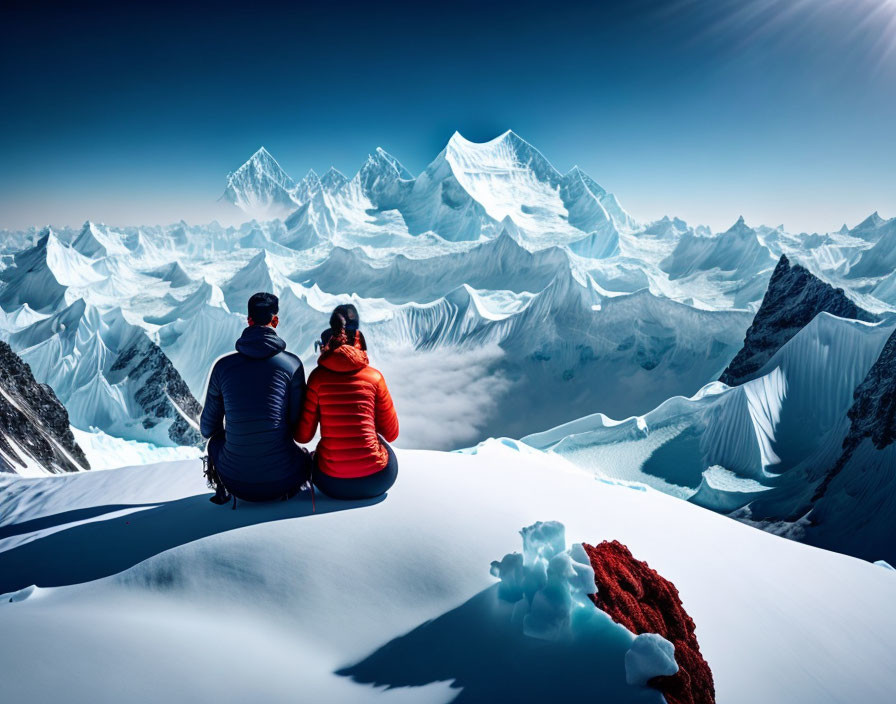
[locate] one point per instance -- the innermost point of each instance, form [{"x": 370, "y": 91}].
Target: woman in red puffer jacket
[{"x": 350, "y": 401}]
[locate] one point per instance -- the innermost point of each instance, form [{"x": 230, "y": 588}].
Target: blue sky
[{"x": 780, "y": 110}]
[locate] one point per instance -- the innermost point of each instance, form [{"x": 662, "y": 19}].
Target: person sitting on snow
[
  {"x": 259, "y": 390},
  {"x": 350, "y": 401}
]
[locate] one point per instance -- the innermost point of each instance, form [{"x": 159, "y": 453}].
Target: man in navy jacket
[{"x": 259, "y": 389}]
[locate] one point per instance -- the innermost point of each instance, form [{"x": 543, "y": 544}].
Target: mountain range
[{"x": 522, "y": 298}]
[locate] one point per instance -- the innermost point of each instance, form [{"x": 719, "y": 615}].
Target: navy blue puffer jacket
[{"x": 259, "y": 389}]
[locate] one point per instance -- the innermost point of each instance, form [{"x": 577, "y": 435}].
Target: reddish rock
[{"x": 640, "y": 599}]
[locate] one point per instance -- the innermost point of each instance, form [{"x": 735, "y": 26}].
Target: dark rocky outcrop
[
  {"x": 639, "y": 598},
  {"x": 793, "y": 298},
  {"x": 873, "y": 412},
  {"x": 33, "y": 421},
  {"x": 163, "y": 394}
]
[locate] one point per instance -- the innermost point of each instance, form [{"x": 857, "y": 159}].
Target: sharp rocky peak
[{"x": 793, "y": 298}]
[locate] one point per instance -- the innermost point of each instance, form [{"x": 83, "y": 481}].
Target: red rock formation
[{"x": 643, "y": 601}]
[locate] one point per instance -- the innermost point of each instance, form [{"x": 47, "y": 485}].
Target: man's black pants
[{"x": 252, "y": 491}]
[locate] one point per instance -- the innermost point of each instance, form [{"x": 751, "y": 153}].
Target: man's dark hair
[{"x": 263, "y": 307}]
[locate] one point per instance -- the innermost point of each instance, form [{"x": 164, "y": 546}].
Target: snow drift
[{"x": 174, "y": 580}]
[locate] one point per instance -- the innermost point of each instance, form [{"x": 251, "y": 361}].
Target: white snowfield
[{"x": 146, "y": 592}]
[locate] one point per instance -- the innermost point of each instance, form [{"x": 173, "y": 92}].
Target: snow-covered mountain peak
[
  {"x": 579, "y": 174},
  {"x": 307, "y": 188},
  {"x": 872, "y": 221},
  {"x": 96, "y": 241},
  {"x": 468, "y": 191},
  {"x": 333, "y": 180},
  {"x": 505, "y": 155},
  {"x": 110, "y": 374},
  {"x": 42, "y": 275},
  {"x": 382, "y": 182},
  {"x": 262, "y": 163},
  {"x": 505, "y": 178},
  {"x": 382, "y": 161},
  {"x": 505, "y": 244},
  {"x": 174, "y": 274},
  {"x": 261, "y": 187}
]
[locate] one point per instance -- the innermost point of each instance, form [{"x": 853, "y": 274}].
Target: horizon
[{"x": 700, "y": 110}]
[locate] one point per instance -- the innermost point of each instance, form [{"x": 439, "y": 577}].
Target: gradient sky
[{"x": 783, "y": 111}]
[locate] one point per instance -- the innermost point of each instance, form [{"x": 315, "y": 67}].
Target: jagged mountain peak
[
  {"x": 793, "y": 298},
  {"x": 740, "y": 228},
  {"x": 381, "y": 160},
  {"x": 466, "y": 192},
  {"x": 506, "y": 152},
  {"x": 872, "y": 221},
  {"x": 333, "y": 179},
  {"x": 261, "y": 187},
  {"x": 262, "y": 161},
  {"x": 506, "y": 243},
  {"x": 42, "y": 275},
  {"x": 34, "y": 425},
  {"x": 122, "y": 380},
  {"x": 173, "y": 273},
  {"x": 94, "y": 241}
]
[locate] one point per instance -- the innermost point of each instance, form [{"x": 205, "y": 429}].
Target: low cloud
[{"x": 443, "y": 397}]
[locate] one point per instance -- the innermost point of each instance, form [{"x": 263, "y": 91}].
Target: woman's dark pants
[{"x": 368, "y": 487}]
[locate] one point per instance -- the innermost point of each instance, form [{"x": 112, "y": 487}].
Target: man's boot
[{"x": 213, "y": 481}]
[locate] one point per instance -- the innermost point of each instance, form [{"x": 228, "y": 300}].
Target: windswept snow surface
[{"x": 179, "y": 600}]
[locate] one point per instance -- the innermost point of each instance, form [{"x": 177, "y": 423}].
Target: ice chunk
[
  {"x": 548, "y": 583},
  {"x": 510, "y": 571},
  {"x": 543, "y": 539},
  {"x": 886, "y": 565},
  {"x": 650, "y": 656}
]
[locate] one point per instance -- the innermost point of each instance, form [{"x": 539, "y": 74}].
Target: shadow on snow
[
  {"x": 481, "y": 648},
  {"x": 100, "y": 548}
]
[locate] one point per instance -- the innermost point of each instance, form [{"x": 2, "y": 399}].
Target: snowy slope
[{"x": 295, "y": 604}]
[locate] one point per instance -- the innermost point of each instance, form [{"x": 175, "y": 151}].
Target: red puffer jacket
[{"x": 350, "y": 400}]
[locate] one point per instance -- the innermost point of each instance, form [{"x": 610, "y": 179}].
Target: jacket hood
[
  {"x": 260, "y": 342},
  {"x": 345, "y": 358}
]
